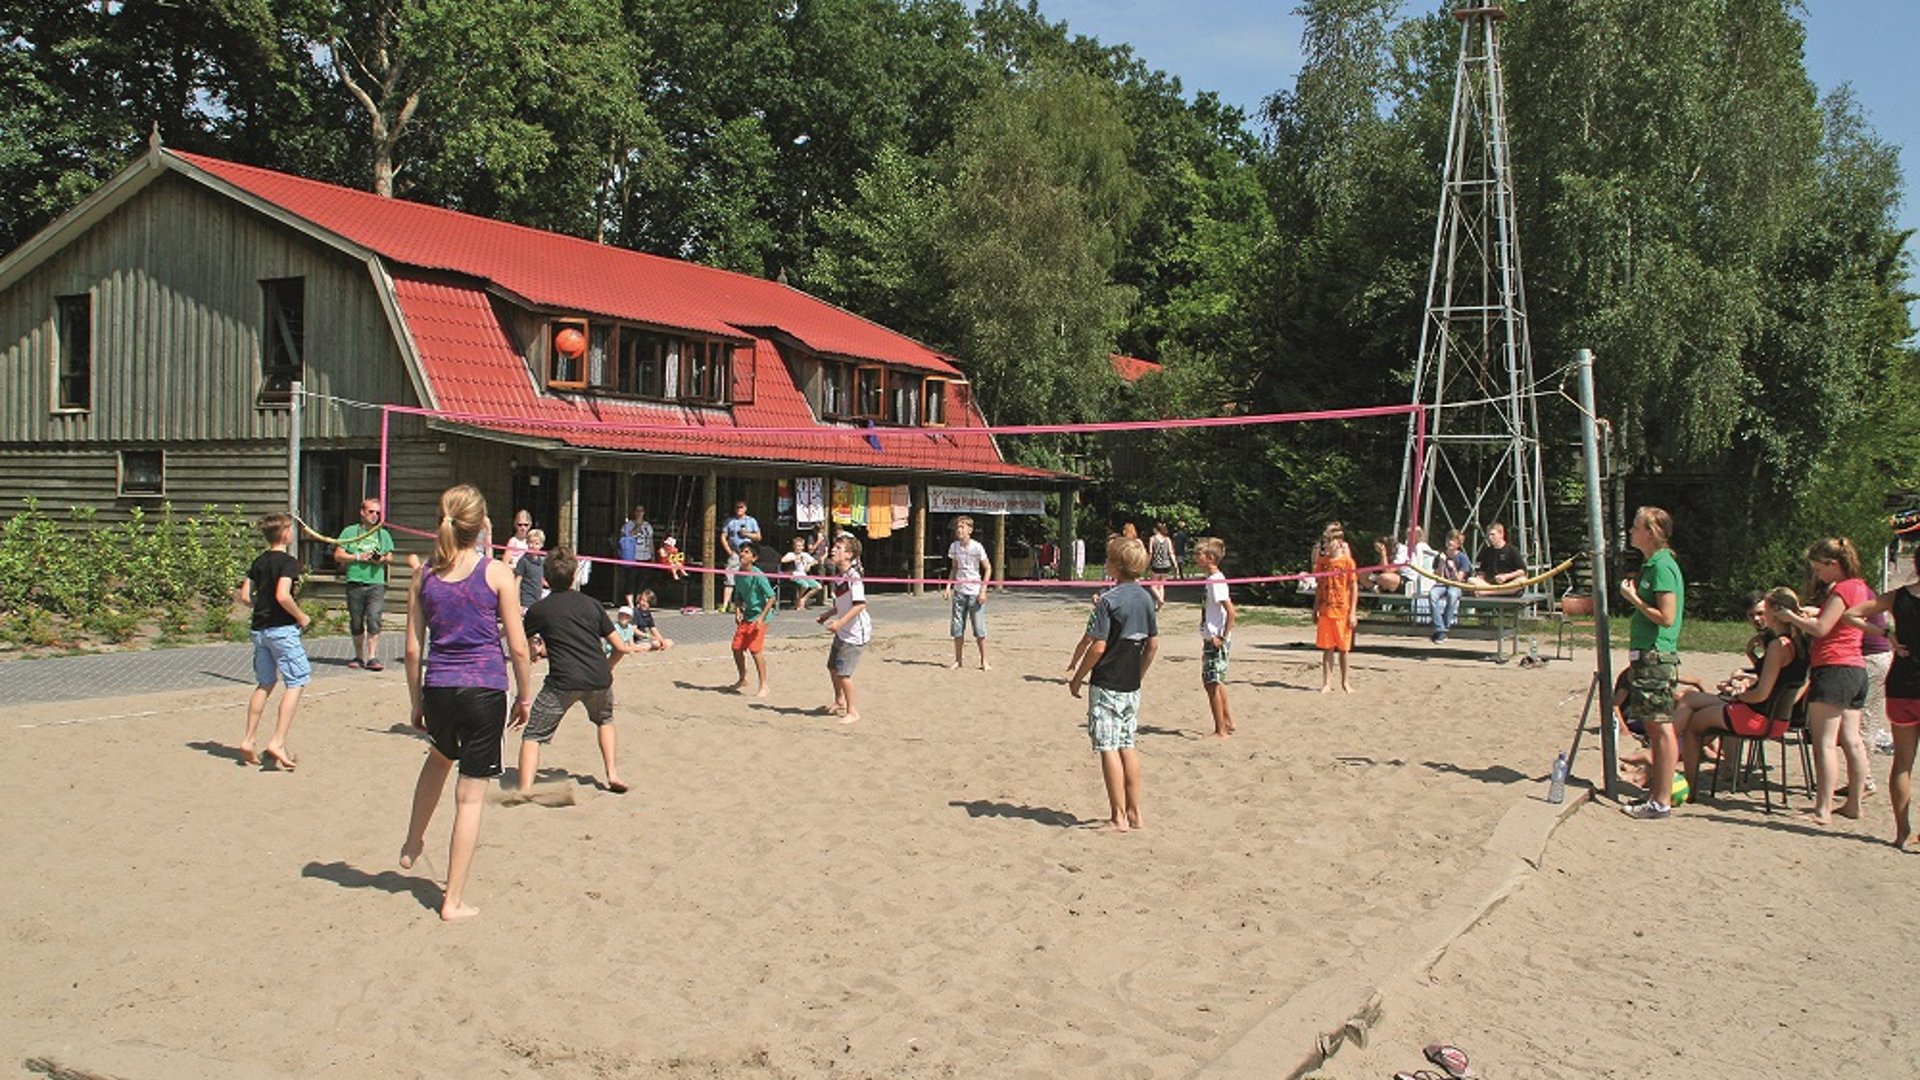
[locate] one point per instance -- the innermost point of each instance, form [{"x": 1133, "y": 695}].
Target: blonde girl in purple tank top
[{"x": 461, "y": 700}]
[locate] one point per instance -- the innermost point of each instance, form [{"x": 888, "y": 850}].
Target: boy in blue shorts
[
  {"x": 278, "y": 655},
  {"x": 1121, "y": 645}
]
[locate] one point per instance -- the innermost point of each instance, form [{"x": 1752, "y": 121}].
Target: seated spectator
[
  {"x": 1452, "y": 567},
  {"x": 1745, "y": 713},
  {"x": 1386, "y": 580},
  {"x": 1501, "y": 565}
]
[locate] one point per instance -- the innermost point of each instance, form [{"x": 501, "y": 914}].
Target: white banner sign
[{"x": 951, "y": 500}]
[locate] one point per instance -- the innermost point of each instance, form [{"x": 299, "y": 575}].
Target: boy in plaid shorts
[
  {"x": 1121, "y": 645},
  {"x": 578, "y": 634},
  {"x": 1216, "y": 633}
]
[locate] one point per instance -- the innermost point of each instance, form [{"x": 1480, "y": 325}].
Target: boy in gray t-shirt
[{"x": 1121, "y": 643}]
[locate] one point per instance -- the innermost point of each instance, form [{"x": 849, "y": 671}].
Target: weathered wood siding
[
  {"x": 249, "y": 476},
  {"x": 178, "y": 316}
]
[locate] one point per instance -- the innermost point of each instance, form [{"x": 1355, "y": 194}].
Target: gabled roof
[
  {"x": 551, "y": 271},
  {"x": 476, "y": 370}
]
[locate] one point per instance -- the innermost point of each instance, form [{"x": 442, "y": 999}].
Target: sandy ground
[{"x": 920, "y": 894}]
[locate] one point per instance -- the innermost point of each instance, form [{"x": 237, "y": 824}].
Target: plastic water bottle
[{"x": 1557, "y": 787}]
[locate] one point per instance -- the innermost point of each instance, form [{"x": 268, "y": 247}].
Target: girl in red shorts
[
  {"x": 1782, "y": 665},
  {"x": 1903, "y": 693}
]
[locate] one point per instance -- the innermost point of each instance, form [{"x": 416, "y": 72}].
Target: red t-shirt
[{"x": 1841, "y": 646}]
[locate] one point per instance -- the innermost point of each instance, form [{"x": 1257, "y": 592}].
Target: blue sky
[{"x": 1246, "y": 49}]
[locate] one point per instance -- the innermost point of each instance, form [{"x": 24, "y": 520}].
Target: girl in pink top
[{"x": 1837, "y": 681}]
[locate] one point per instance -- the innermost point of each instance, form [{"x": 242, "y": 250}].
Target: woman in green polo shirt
[{"x": 1658, "y": 597}]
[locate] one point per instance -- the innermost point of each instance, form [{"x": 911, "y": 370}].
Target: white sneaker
[{"x": 1646, "y": 810}]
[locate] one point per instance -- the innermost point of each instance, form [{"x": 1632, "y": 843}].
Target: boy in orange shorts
[{"x": 753, "y": 602}]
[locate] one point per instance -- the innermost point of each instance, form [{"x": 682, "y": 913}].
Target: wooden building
[{"x": 151, "y": 338}]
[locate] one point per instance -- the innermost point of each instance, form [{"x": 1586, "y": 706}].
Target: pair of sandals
[{"x": 1451, "y": 1059}]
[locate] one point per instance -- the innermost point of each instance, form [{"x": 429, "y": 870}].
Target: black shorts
[
  {"x": 467, "y": 724},
  {"x": 1837, "y": 684}
]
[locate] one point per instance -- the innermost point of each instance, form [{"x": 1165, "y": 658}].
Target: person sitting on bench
[{"x": 1501, "y": 565}]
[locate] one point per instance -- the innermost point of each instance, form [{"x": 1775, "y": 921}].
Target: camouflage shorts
[{"x": 1650, "y": 683}]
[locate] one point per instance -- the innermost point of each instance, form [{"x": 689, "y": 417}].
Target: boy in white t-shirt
[
  {"x": 851, "y": 626},
  {"x": 967, "y": 588},
  {"x": 1216, "y": 632}
]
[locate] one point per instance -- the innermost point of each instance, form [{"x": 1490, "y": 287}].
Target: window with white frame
[{"x": 73, "y": 372}]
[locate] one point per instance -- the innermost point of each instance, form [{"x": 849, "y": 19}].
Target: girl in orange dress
[{"x": 1335, "y": 606}]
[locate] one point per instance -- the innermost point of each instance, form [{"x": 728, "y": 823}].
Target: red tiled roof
[
  {"x": 1132, "y": 368},
  {"x": 474, "y": 369},
  {"x": 573, "y": 275}
]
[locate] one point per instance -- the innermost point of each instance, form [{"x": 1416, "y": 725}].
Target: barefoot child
[
  {"x": 574, "y": 626},
  {"x": 1125, "y": 638},
  {"x": 646, "y": 634},
  {"x": 457, "y": 612},
  {"x": 1336, "y": 607},
  {"x": 1216, "y": 633},
  {"x": 799, "y": 562},
  {"x": 852, "y": 627},
  {"x": 970, "y": 571},
  {"x": 278, "y": 654},
  {"x": 753, "y": 604}
]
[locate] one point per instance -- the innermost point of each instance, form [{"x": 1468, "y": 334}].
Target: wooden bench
[{"x": 1484, "y": 618}]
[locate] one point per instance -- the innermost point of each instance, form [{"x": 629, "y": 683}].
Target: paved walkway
[{"x": 197, "y": 667}]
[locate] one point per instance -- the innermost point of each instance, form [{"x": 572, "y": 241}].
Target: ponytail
[{"x": 463, "y": 512}]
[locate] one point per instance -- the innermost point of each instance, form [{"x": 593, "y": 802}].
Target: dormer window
[
  {"x": 870, "y": 392},
  {"x": 836, "y": 392},
  {"x": 567, "y": 354},
  {"x": 934, "y": 402},
  {"x": 903, "y": 398}
]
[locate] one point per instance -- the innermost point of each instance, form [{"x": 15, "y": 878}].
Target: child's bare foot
[
  {"x": 1219, "y": 734},
  {"x": 763, "y": 691},
  {"x": 1135, "y": 821},
  {"x": 1326, "y": 688},
  {"x": 850, "y": 718},
  {"x": 1813, "y": 818},
  {"x": 1230, "y": 727},
  {"x": 279, "y": 757},
  {"x": 409, "y": 853},
  {"x": 247, "y": 756},
  {"x": 1850, "y": 811},
  {"x": 955, "y": 666},
  {"x": 1900, "y": 840},
  {"x": 1113, "y": 827},
  {"x": 737, "y": 687},
  {"x": 1346, "y": 686},
  {"x": 455, "y": 912},
  {"x": 984, "y": 666}
]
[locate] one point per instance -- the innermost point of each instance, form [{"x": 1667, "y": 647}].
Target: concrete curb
[{"x": 1311, "y": 1026}]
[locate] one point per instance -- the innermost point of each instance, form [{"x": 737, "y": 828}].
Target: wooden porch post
[
  {"x": 920, "y": 542},
  {"x": 709, "y": 537},
  {"x": 1068, "y": 496},
  {"x": 1000, "y": 550}
]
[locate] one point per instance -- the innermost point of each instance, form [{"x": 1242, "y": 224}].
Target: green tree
[{"x": 1042, "y": 198}]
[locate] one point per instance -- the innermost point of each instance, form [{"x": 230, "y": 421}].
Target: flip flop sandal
[
  {"x": 1423, "y": 1074},
  {"x": 1451, "y": 1059}
]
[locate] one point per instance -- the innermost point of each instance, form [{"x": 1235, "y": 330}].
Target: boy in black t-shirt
[
  {"x": 278, "y": 654},
  {"x": 577, "y": 633}
]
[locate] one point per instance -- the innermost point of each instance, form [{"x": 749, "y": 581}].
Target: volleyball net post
[{"x": 1602, "y": 691}]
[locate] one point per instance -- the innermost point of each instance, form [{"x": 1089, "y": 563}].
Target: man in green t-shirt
[{"x": 365, "y": 549}]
